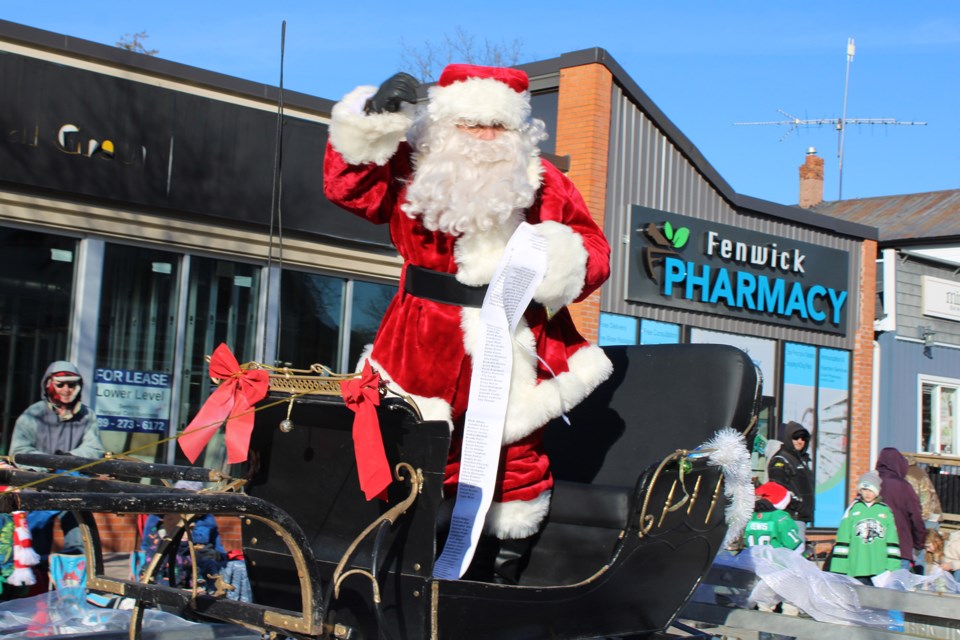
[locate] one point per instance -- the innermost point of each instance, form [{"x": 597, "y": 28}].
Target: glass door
[
  {"x": 221, "y": 307},
  {"x": 135, "y": 349}
]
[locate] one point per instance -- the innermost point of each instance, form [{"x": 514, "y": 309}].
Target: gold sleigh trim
[{"x": 648, "y": 520}]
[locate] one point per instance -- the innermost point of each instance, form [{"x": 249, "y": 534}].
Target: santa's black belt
[{"x": 442, "y": 287}]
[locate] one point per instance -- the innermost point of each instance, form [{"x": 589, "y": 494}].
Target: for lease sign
[{"x": 130, "y": 400}]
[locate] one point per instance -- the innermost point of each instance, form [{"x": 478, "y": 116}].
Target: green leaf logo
[
  {"x": 677, "y": 238},
  {"x": 680, "y": 237}
]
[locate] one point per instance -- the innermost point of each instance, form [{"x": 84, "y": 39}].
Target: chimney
[{"x": 811, "y": 180}]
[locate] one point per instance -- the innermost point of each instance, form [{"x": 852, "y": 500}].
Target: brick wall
[
  {"x": 583, "y": 133},
  {"x": 118, "y": 532},
  {"x": 862, "y": 387}
]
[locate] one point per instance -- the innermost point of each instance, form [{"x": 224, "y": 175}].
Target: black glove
[{"x": 398, "y": 88}]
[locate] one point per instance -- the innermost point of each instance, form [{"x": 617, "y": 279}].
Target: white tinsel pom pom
[
  {"x": 730, "y": 453},
  {"x": 22, "y": 576}
]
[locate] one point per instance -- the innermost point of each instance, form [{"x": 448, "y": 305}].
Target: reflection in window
[
  {"x": 36, "y": 288},
  {"x": 370, "y": 302},
  {"x": 136, "y": 332},
  {"x": 938, "y": 404},
  {"x": 544, "y": 106},
  {"x": 311, "y": 312}
]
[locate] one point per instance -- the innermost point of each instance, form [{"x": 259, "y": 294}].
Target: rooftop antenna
[{"x": 840, "y": 123}]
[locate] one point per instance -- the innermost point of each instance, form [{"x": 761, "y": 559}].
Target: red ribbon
[
  {"x": 362, "y": 396},
  {"x": 232, "y": 401}
]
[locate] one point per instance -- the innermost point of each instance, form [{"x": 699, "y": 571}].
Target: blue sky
[{"x": 706, "y": 64}]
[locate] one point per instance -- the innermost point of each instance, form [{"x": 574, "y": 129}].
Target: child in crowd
[
  {"x": 933, "y": 550},
  {"x": 867, "y": 542},
  {"x": 771, "y": 525},
  {"x": 951, "y": 554}
]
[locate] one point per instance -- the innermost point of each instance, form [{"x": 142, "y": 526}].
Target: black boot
[{"x": 512, "y": 558}]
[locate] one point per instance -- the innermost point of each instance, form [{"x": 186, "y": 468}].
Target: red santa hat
[
  {"x": 775, "y": 493},
  {"x": 481, "y": 95},
  {"x": 24, "y": 557}
]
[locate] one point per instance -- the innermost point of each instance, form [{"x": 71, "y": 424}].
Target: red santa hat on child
[
  {"x": 775, "y": 493},
  {"x": 481, "y": 95}
]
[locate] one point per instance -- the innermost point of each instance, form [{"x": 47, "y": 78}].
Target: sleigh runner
[{"x": 647, "y": 474}]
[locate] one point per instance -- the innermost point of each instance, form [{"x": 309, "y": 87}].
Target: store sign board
[
  {"x": 85, "y": 133},
  {"x": 129, "y": 400},
  {"x": 686, "y": 263},
  {"x": 941, "y": 298}
]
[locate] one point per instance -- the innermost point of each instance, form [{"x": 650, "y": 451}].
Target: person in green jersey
[
  {"x": 771, "y": 525},
  {"x": 867, "y": 542}
]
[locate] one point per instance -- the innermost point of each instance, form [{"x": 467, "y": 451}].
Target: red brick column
[
  {"x": 861, "y": 417},
  {"x": 583, "y": 133}
]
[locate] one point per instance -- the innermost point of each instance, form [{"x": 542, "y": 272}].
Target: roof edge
[{"x": 152, "y": 65}]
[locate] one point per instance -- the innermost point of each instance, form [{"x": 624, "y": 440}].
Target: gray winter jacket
[{"x": 39, "y": 429}]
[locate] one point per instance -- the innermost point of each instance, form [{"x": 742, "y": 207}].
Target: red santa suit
[{"x": 423, "y": 346}]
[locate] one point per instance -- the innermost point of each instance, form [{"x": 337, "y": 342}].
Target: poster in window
[
  {"x": 833, "y": 420},
  {"x": 655, "y": 332},
  {"x": 617, "y": 330}
]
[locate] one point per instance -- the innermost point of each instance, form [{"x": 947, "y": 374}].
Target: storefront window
[
  {"x": 135, "y": 349},
  {"x": 35, "y": 304},
  {"x": 221, "y": 307},
  {"x": 311, "y": 313},
  {"x": 370, "y": 302},
  {"x": 938, "y": 416}
]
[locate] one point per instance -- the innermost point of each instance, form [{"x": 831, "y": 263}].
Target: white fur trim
[
  {"x": 532, "y": 404},
  {"x": 479, "y": 101},
  {"x": 535, "y": 170},
  {"x": 361, "y": 138},
  {"x": 430, "y": 408},
  {"x": 518, "y": 518},
  {"x": 729, "y": 452},
  {"x": 566, "y": 265}
]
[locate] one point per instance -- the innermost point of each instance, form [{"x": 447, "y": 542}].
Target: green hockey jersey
[
  {"x": 867, "y": 542},
  {"x": 775, "y": 528}
]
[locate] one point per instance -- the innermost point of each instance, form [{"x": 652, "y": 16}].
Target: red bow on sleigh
[
  {"x": 232, "y": 401},
  {"x": 362, "y": 395}
]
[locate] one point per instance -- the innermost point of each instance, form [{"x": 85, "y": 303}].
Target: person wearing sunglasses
[
  {"x": 790, "y": 466},
  {"x": 58, "y": 423}
]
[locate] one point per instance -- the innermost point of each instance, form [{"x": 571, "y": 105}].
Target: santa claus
[{"x": 454, "y": 180}]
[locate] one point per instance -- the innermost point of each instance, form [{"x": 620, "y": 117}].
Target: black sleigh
[{"x": 637, "y": 515}]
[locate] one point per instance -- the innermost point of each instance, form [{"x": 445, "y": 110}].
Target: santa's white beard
[{"x": 462, "y": 185}]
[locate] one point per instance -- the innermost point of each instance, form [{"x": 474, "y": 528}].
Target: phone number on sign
[{"x": 111, "y": 423}]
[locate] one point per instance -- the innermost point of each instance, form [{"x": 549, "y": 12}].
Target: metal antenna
[
  {"x": 841, "y": 126},
  {"x": 276, "y": 195},
  {"x": 840, "y": 123}
]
